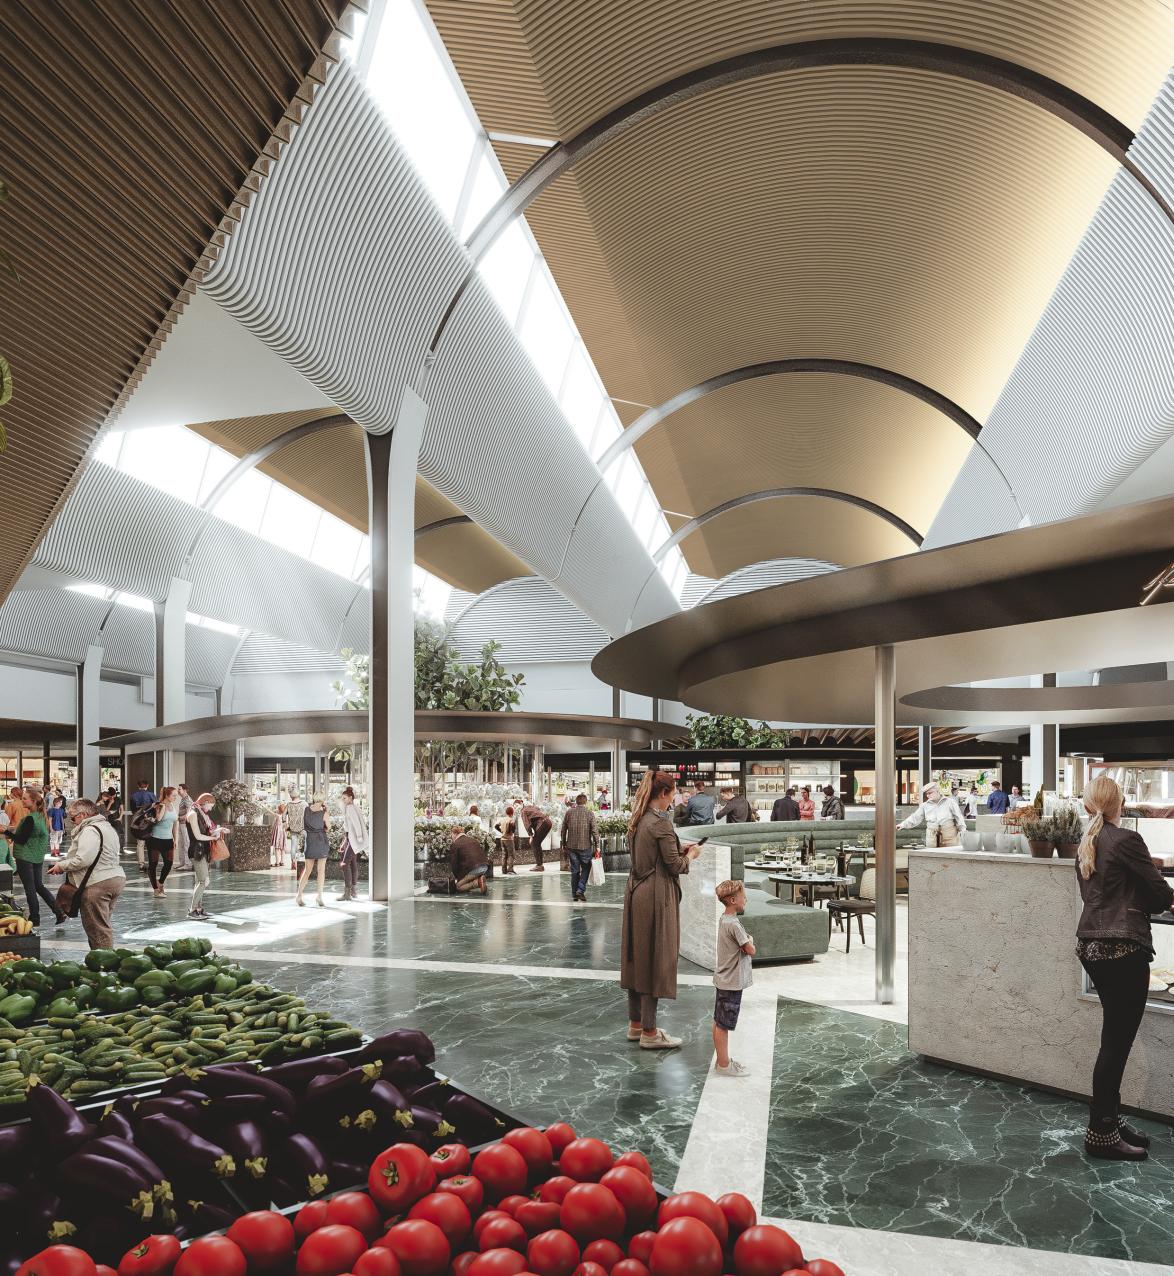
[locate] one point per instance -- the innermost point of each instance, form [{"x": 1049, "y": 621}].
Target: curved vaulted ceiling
[{"x": 885, "y": 215}]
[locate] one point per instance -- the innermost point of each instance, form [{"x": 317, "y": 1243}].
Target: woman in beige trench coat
[{"x": 650, "y": 939}]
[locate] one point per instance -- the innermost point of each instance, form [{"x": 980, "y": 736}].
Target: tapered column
[
  {"x": 924, "y": 755},
  {"x": 886, "y": 823},
  {"x": 89, "y": 707},
  {"x": 171, "y": 653},
  {"x": 240, "y": 760},
  {"x": 391, "y": 488}
]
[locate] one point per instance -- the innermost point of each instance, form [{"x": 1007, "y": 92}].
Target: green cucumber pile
[{"x": 126, "y": 1018}]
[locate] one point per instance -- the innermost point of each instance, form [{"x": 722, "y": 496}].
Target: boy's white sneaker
[
  {"x": 660, "y": 1040},
  {"x": 732, "y": 1069}
]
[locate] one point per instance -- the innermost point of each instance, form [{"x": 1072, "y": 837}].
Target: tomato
[
  {"x": 212, "y": 1256},
  {"x": 511, "y": 1204},
  {"x": 309, "y": 1219},
  {"x": 536, "y": 1149},
  {"x": 480, "y": 1225},
  {"x": 589, "y": 1269},
  {"x": 497, "y": 1262},
  {"x": 640, "y": 1246},
  {"x": 58, "y": 1260},
  {"x": 357, "y": 1210},
  {"x": 469, "y": 1189},
  {"x": 740, "y": 1214},
  {"x": 421, "y": 1247},
  {"x": 377, "y": 1262},
  {"x": 605, "y": 1253},
  {"x": 592, "y": 1212},
  {"x": 399, "y": 1176},
  {"x": 638, "y": 1161},
  {"x": 103, "y": 1270},
  {"x": 694, "y": 1205},
  {"x": 155, "y": 1256},
  {"x": 462, "y": 1262},
  {"x": 266, "y": 1239},
  {"x": 634, "y": 1192},
  {"x": 448, "y": 1212},
  {"x": 555, "y": 1189},
  {"x": 538, "y": 1216},
  {"x": 502, "y": 1233},
  {"x": 502, "y": 1169},
  {"x": 559, "y": 1134},
  {"x": 452, "y": 1158},
  {"x": 553, "y": 1253},
  {"x": 686, "y": 1247},
  {"x": 587, "y": 1160},
  {"x": 824, "y": 1267},
  {"x": 766, "y": 1250},
  {"x": 626, "y": 1267}
]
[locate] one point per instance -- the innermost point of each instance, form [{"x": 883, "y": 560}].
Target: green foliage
[
  {"x": 1036, "y": 829},
  {"x": 234, "y": 798},
  {"x": 356, "y": 695},
  {"x": 720, "y": 731},
  {"x": 1067, "y": 826}
]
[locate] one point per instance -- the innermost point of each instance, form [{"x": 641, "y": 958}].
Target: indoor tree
[{"x": 720, "y": 731}]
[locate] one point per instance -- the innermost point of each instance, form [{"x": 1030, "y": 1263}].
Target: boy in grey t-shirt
[{"x": 731, "y": 974}]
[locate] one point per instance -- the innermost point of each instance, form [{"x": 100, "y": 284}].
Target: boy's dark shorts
[{"x": 726, "y": 1006}]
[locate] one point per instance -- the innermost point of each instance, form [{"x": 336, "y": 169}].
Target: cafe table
[{"x": 798, "y": 880}]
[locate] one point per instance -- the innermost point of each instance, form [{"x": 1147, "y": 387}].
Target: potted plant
[
  {"x": 1067, "y": 831},
  {"x": 1038, "y": 832}
]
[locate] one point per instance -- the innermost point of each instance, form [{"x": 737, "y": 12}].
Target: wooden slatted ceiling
[
  {"x": 899, "y": 218},
  {"x": 329, "y": 469},
  {"x": 134, "y": 133}
]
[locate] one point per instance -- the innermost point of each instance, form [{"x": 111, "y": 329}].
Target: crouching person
[{"x": 468, "y": 862}]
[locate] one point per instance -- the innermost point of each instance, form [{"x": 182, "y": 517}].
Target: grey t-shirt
[{"x": 733, "y": 965}]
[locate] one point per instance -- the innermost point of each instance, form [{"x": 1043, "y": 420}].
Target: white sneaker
[
  {"x": 732, "y": 1069},
  {"x": 660, "y": 1040}
]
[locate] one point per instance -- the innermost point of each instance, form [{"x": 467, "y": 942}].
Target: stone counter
[
  {"x": 994, "y": 983},
  {"x": 700, "y": 908}
]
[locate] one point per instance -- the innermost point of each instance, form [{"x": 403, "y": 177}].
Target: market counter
[{"x": 995, "y": 986}]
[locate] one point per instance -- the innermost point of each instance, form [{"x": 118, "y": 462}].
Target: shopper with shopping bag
[{"x": 579, "y": 837}]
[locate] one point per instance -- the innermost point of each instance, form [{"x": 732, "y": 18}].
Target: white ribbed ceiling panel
[
  {"x": 129, "y": 641},
  {"x": 530, "y": 618},
  {"x": 261, "y": 653},
  {"x": 776, "y": 571},
  {"x": 1092, "y": 397},
  {"x": 209, "y": 655},
  {"x": 52, "y": 623},
  {"x": 344, "y": 266}
]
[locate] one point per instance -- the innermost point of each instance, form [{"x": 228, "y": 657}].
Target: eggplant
[
  {"x": 15, "y": 1143},
  {"x": 345, "y": 1174},
  {"x": 43, "y": 1219},
  {"x": 344, "y": 1085},
  {"x": 245, "y": 1141},
  {"x": 471, "y": 1120},
  {"x": 11, "y": 1205},
  {"x": 434, "y": 1095},
  {"x": 177, "y": 1145},
  {"x": 298, "y": 1074},
  {"x": 171, "y": 1105},
  {"x": 406, "y": 1068},
  {"x": 400, "y": 1042},
  {"x": 115, "y": 1125},
  {"x": 234, "y": 1107},
  {"x": 125, "y": 1151},
  {"x": 231, "y": 1080},
  {"x": 206, "y": 1216},
  {"x": 55, "y": 1120},
  {"x": 303, "y": 1163},
  {"x": 430, "y": 1122},
  {"x": 90, "y": 1175}
]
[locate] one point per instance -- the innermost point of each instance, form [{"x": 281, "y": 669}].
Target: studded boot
[
  {"x": 1131, "y": 1136},
  {"x": 1103, "y": 1141}
]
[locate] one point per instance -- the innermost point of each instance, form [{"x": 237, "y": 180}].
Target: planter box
[
  {"x": 334, "y": 870},
  {"x": 249, "y": 844}
]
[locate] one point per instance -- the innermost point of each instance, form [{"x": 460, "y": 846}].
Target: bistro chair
[{"x": 864, "y": 905}]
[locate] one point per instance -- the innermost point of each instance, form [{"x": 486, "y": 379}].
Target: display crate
[{"x": 26, "y": 945}]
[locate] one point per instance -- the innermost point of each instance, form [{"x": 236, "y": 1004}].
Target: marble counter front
[
  {"x": 700, "y": 908},
  {"x": 994, "y": 983}
]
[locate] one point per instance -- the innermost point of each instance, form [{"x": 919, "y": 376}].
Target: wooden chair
[{"x": 864, "y": 905}]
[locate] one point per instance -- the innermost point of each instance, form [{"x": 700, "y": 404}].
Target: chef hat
[{"x": 930, "y": 784}]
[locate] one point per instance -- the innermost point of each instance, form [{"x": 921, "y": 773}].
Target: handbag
[
  {"x": 69, "y": 896},
  {"x": 142, "y": 821},
  {"x": 219, "y": 850},
  {"x": 598, "y": 873}
]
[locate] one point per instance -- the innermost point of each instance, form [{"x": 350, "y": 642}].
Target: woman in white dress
[{"x": 941, "y": 815}]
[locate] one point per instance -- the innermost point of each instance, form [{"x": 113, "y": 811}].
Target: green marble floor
[{"x": 862, "y": 1133}]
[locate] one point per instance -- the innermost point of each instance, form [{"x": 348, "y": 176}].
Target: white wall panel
[{"x": 274, "y": 692}]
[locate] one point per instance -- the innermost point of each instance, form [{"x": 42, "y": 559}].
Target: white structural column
[
  {"x": 239, "y": 769},
  {"x": 171, "y": 653},
  {"x": 391, "y": 486},
  {"x": 1044, "y": 771},
  {"x": 89, "y": 698},
  {"x": 924, "y": 754},
  {"x": 886, "y": 823}
]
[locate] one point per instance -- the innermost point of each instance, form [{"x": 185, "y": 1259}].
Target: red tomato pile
[{"x": 538, "y": 1203}]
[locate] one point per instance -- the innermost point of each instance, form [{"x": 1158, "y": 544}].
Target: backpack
[{"x": 142, "y": 821}]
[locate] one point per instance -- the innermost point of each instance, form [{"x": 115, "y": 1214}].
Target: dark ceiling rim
[
  {"x": 780, "y": 493},
  {"x": 1100, "y": 126},
  {"x": 649, "y": 420},
  {"x": 457, "y": 520}
]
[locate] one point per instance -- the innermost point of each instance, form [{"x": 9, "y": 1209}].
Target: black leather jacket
[{"x": 1124, "y": 891}]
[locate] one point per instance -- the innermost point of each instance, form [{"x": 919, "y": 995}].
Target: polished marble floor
[{"x": 867, "y": 1153}]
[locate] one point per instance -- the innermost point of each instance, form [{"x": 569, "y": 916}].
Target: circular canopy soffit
[
  {"x": 1058, "y": 703},
  {"x": 321, "y": 729},
  {"x": 1064, "y": 595}
]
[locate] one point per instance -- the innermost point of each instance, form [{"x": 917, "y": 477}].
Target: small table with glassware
[{"x": 800, "y": 879}]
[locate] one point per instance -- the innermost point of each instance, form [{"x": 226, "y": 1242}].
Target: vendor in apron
[{"x": 942, "y": 817}]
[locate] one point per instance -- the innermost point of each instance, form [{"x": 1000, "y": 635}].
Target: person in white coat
[
  {"x": 941, "y": 815},
  {"x": 356, "y": 840}
]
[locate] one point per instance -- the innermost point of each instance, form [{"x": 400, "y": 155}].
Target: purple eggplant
[
  {"x": 346, "y": 1173},
  {"x": 15, "y": 1142},
  {"x": 177, "y": 1145},
  {"x": 56, "y": 1121},
  {"x": 245, "y": 1141},
  {"x": 406, "y": 1069},
  {"x": 434, "y": 1095},
  {"x": 43, "y": 1219},
  {"x": 429, "y": 1121},
  {"x": 302, "y": 1162},
  {"x": 171, "y": 1105},
  {"x": 11, "y": 1204},
  {"x": 124, "y": 1150},
  {"x": 226, "y": 1081},
  {"x": 89, "y": 1175},
  {"x": 400, "y": 1042},
  {"x": 298, "y": 1074},
  {"x": 206, "y": 1216},
  {"x": 115, "y": 1125},
  {"x": 233, "y": 1107},
  {"x": 471, "y": 1120}
]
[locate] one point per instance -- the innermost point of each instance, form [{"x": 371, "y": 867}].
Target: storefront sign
[{"x": 1163, "y": 580}]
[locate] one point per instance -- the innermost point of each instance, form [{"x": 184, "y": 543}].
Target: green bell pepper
[
  {"x": 130, "y": 968},
  {"x": 155, "y": 979},
  {"x": 197, "y": 981},
  {"x": 186, "y": 948},
  {"x": 18, "y": 1008},
  {"x": 36, "y": 982},
  {"x": 160, "y": 954},
  {"x": 224, "y": 983},
  {"x": 102, "y": 959},
  {"x": 26, "y": 963},
  {"x": 118, "y": 999},
  {"x": 153, "y": 995},
  {"x": 62, "y": 1008},
  {"x": 65, "y": 974}
]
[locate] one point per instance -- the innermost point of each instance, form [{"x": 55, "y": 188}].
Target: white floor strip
[
  {"x": 726, "y": 1151},
  {"x": 863, "y": 1252}
]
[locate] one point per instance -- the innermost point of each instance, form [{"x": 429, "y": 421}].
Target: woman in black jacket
[{"x": 1121, "y": 887}]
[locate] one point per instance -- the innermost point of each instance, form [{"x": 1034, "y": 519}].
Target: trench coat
[{"x": 650, "y": 939}]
